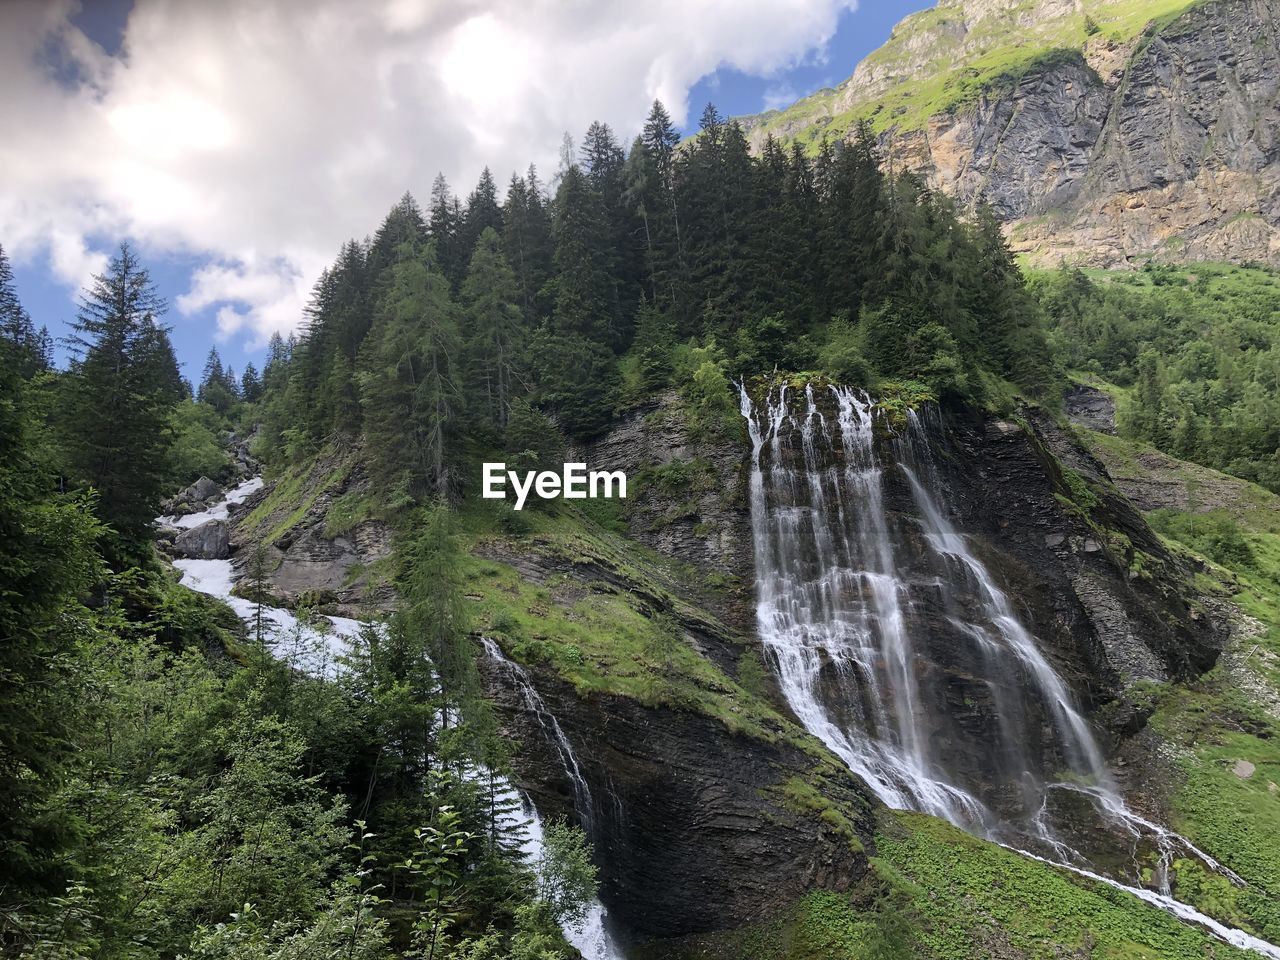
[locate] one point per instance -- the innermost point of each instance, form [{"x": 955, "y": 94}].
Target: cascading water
[
  {"x": 592, "y": 937},
  {"x": 582, "y": 803},
  {"x": 887, "y": 632},
  {"x": 317, "y": 646},
  {"x": 830, "y": 606}
]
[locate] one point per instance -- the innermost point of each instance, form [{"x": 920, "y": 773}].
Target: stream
[{"x": 316, "y": 645}]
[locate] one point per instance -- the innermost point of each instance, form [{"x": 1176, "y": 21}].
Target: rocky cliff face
[
  {"x": 708, "y": 805},
  {"x": 1099, "y": 131},
  {"x": 1094, "y": 582}
]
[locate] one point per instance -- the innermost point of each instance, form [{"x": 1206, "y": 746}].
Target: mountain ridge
[{"x": 1101, "y": 132}]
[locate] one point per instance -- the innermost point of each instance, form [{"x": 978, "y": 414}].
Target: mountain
[
  {"x": 1100, "y": 131},
  {"x": 887, "y": 652}
]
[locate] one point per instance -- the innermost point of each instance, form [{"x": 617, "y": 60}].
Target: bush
[{"x": 1215, "y": 535}]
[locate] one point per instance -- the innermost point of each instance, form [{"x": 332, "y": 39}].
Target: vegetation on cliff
[
  {"x": 1193, "y": 353},
  {"x": 174, "y": 790}
]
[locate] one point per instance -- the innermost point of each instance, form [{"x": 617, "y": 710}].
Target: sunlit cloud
[{"x": 257, "y": 137}]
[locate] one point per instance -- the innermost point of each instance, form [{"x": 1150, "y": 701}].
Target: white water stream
[
  {"x": 316, "y": 645},
  {"x": 838, "y": 617}
]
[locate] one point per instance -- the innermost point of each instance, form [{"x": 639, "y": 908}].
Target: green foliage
[
  {"x": 751, "y": 673},
  {"x": 496, "y": 332},
  {"x": 47, "y": 565},
  {"x": 532, "y": 439},
  {"x": 115, "y": 412},
  {"x": 577, "y": 379},
  {"x": 963, "y": 892},
  {"x": 844, "y": 357},
  {"x": 711, "y": 408},
  {"x": 566, "y": 876},
  {"x": 1194, "y": 353},
  {"x": 409, "y": 389},
  {"x": 1215, "y": 535},
  {"x": 197, "y": 449}
]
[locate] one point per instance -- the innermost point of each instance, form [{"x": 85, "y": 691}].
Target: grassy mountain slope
[
  {"x": 1222, "y": 732},
  {"x": 939, "y": 59}
]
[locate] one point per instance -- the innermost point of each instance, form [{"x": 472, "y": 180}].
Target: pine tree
[
  {"x": 444, "y": 221},
  {"x": 481, "y": 213},
  {"x": 47, "y": 563},
  {"x": 583, "y": 286},
  {"x": 495, "y": 331},
  {"x": 526, "y": 242},
  {"x": 604, "y": 163},
  {"x": 214, "y": 387},
  {"x": 403, "y": 224},
  {"x": 16, "y": 328},
  {"x": 250, "y": 384},
  {"x": 121, "y": 392},
  {"x": 662, "y": 203},
  {"x": 408, "y": 385}
]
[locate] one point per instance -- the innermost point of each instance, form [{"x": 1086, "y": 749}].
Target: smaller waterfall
[
  {"x": 592, "y": 938},
  {"x": 1176, "y": 908},
  {"x": 316, "y": 648},
  {"x": 582, "y": 804},
  {"x": 218, "y": 511}
]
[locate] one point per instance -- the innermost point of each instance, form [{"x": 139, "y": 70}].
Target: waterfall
[
  {"x": 532, "y": 700},
  {"x": 849, "y": 592},
  {"x": 829, "y": 597},
  {"x": 316, "y": 647},
  {"x": 592, "y": 937}
]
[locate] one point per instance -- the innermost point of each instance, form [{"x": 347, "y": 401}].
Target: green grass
[
  {"x": 292, "y": 496},
  {"x": 612, "y": 623},
  {"x": 936, "y": 892},
  {"x": 1221, "y": 720},
  {"x": 349, "y": 511},
  {"x": 975, "y": 899}
]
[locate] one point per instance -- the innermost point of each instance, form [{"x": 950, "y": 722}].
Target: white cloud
[
  {"x": 261, "y": 135},
  {"x": 778, "y": 96}
]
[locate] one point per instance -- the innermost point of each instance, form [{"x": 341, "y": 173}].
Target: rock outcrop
[
  {"x": 209, "y": 541},
  {"x": 693, "y": 823},
  {"x": 1101, "y": 142},
  {"x": 199, "y": 496},
  {"x": 1090, "y": 407},
  {"x": 687, "y": 498},
  {"x": 312, "y": 556}
]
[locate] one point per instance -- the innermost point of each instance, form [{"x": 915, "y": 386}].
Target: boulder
[
  {"x": 203, "y": 489},
  {"x": 209, "y": 541}
]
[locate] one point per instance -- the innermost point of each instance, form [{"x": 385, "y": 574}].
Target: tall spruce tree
[
  {"x": 583, "y": 289},
  {"x": 495, "y": 332},
  {"x": 120, "y": 394},
  {"x": 409, "y": 387},
  {"x": 481, "y": 213},
  {"x": 47, "y": 563},
  {"x": 661, "y": 202},
  {"x": 28, "y": 350},
  {"x": 444, "y": 223},
  {"x": 526, "y": 241}
]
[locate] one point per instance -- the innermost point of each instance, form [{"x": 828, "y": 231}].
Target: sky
[{"x": 237, "y": 144}]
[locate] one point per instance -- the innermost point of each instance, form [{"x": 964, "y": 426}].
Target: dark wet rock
[
  {"x": 1089, "y": 407},
  {"x": 202, "y": 491},
  {"x": 689, "y": 820},
  {"x": 209, "y": 541}
]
